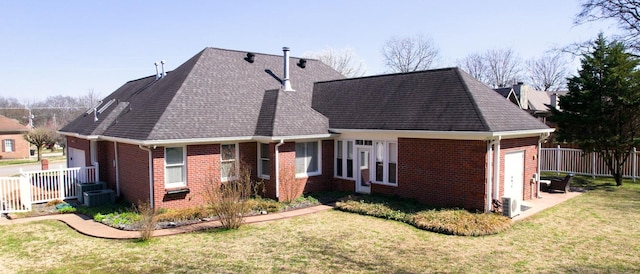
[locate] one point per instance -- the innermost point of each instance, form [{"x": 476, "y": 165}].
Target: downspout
[
  {"x": 150, "y": 175},
  {"x": 278, "y": 169},
  {"x": 117, "y": 166},
  {"x": 487, "y": 206},
  {"x": 496, "y": 168}
]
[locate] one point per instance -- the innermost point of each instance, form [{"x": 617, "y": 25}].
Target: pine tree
[{"x": 601, "y": 112}]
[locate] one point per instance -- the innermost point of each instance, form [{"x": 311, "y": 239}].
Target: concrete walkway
[{"x": 89, "y": 227}]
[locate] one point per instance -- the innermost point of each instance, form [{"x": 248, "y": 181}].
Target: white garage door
[{"x": 76, "y": 157}]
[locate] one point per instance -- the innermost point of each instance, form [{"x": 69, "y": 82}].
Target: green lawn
[{"x": 596, "y": 232}]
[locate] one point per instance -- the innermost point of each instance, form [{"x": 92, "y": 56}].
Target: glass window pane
[
  {"x": 339, "y": 149},
  {"x": 227, "y": 169},
  {"x": 393, "y": 152},
  {"x": 228, "y": 152},
  {"x": 174, "y": 155},
  {"x": 349, "y": 149},
  {"x": 174, "y": 174},
  {"x": 392, "y": 173},
  {"x": 379, "y": 151},
  {"x": 264, "y": 151},
  {"x": 339, "y": 167},
  {"x": 350, "y": 168},
  {"x": 264, "y": 167}
]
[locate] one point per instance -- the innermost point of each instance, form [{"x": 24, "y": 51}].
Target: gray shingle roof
[
  {"x": 434, "y": 100},
  {"x": 214, "y": 94}
]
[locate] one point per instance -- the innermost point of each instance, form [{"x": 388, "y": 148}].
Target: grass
[
  {"x": 9, "y": 162},
  {"x": 595, "y": 232}
]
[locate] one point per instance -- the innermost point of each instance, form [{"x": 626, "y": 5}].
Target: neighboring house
[
  {"x": 438, "y": 136},
  {"x": 14, "y": 146},
  {"x": 537, "y": 102}
]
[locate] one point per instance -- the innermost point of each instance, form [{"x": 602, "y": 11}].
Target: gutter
[
  {"x": 151, "y": 202},
  {"x": 277, "y": 169}
]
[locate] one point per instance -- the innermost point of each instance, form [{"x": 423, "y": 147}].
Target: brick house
[
  {"x": 437, "y": 136},
  {"x": 14, "y": 146}
]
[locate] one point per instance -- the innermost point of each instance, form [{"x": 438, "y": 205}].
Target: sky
[{"x": 70, "y": 48}]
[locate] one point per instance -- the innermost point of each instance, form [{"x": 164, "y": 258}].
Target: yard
[{"x": 596, "y": 232}]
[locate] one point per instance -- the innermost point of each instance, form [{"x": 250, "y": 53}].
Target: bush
[
  {"x": 183, "y": 214},
  {"x": 447, "y": 221},
  {"x": 268, "y": 205},
  {"x": 228, "y": 200},
  {"x": 461, "y": 222},
  {"x": 147, "y": 220}
]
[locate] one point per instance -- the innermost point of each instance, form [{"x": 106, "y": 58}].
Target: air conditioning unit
[
  {"x": 510, "y": 207},
  {"x": 99, "y": 197}
]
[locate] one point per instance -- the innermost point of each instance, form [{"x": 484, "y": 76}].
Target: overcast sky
[{"x": 71, "y": 47}]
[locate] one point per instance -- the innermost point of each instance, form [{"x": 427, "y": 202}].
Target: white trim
[
  {"x": 199, "y": 141},
  {"x": 184, "y": 168},
  {"x": 450, "y": 135},
  {"x": 260, "y": 159}
]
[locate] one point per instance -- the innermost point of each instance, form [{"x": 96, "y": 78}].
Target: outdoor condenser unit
[{"x": 510, "y": 207}]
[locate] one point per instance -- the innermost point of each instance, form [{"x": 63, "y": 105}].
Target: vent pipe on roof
[
  {"x": 164, "y": 73},
  {"x": 286, "y": 83},
  {"x": 157, "y": 71}
]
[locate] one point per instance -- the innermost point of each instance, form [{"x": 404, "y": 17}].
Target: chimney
[
  {"x": 286, "y": 83},
  {"x": 157, "y": 71},
  {"x": 164, "y": 73},
  {"x": 555, "y": 101}
]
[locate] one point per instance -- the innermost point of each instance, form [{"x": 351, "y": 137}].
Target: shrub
[
  {"x": 183, "y": 214},
  {"x": 447, "y": 221},
  {"x": 461, "y": 222},
  {"x": 228, "y": 200},
  {"x": 147, "y": 220},
  {"x": 268, "y": 205}
]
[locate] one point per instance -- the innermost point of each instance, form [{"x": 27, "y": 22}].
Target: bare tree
[
  {"x": 548, "y": 73},
  {"x": 503, "y": 67},
  {"x": 89, "y": 100},
  {"x": 409, "y": 53},
  {"x": 340, "y": 60},
  {"x": 475, "y": 65},
  {"x": 625, "y": 12},
  {"x": 40, "y": 137}
]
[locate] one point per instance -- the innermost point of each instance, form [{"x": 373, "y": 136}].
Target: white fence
[
  {"x": 19, "y": 193},
  {"x": 569, "y": 160}
]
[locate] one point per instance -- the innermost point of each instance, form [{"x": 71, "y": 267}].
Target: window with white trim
[
  {"x": 8, "y": 145},
  {"x": 263, "y": 160},
  {"x": 174, "y": 167},
  {"x": 308, "y": 159},
  {"x": 344, "y": 159},
  {"x": 393, "y": 163},
  {"x": 228, "y": 161}
]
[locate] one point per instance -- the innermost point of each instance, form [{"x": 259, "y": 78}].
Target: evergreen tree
[{"x": 601, "y": 112}]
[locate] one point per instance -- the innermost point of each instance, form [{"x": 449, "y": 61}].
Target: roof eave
[{"x": 453, "y": 135}]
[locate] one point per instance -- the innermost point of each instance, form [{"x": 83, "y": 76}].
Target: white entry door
[
  {"x": 363, "y": 181},
  {"x": 514, "y": 174}
]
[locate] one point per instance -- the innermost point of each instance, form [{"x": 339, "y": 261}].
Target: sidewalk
[{"x": 89, "y": 227}]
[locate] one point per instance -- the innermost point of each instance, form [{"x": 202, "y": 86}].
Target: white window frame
[
  {"x": 9, "y": 143},
  {"x": 345, "y": 159},
  {"x": 237, "y": 155},
  {"x": 319, "y": 152},
  {"x": 184, "y": 168},
  {"x": 261, "y": 158}
]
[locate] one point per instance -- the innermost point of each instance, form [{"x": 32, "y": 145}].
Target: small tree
[
  {"x": 601, "y": 112},
  {"x": 229, "y": 200},
  {"x": 40, "y": 137}
]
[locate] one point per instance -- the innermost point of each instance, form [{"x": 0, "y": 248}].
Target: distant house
[
  {"x": 14, "y": 146},
  {"x": 438, "y": 136},
  {"x": 538, "y": 103}
]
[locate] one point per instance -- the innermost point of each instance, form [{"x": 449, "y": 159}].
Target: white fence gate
[
  {"x": 569, "y": 160},
  {"x": 17, "y": 194}
]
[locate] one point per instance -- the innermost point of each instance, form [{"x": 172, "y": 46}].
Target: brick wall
[
  {"x": 292, "y": 187},
  {"x": 106, "y": 158},
  {"x": 20, "y": 147},
  {"x": 134, "y": 173},
  {"x": 447, "y": 173},
  {"x": 530, "y": 148}
]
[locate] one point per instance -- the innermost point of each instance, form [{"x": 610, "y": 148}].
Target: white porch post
[{"x": 496, "y": 169}]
